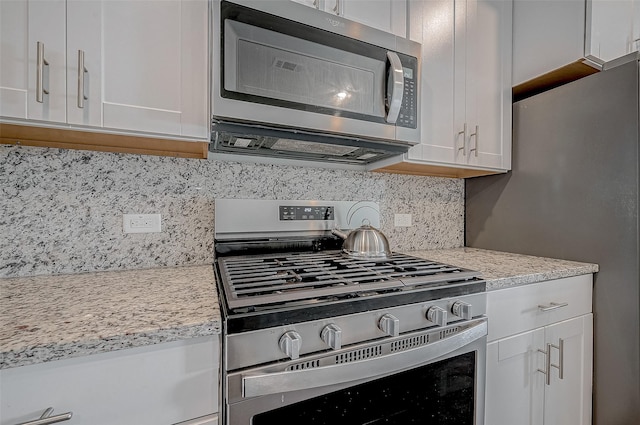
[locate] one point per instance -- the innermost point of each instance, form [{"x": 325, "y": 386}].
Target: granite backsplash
[{"x": 61, "y": 210}]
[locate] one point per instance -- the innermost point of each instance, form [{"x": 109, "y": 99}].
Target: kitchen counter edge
[
  {"x": 55, "y": 317},
  {"x": 93, "y": 313},
  {"x": 503, "y": 270}
]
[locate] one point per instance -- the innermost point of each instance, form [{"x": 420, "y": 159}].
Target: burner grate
[{"x": 257, "y": 280}]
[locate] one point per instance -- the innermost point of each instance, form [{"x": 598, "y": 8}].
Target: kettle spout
[{"x": 339, "y": 233}]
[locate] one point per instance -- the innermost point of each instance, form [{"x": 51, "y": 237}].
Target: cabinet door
[
  {"x": 84, "y": 63},
  {"x": 154, "y": 65},
  {"x": 385, "y": 15},
  {"x": 537, "y": 51},
  {"x": 432, "y": 25},
  {"x": 157, "y": 384},
  {"x": 32, "y": 88},
  {"x": 515, "y": 388},
  {"x": 489, "y": 84},
  {"x": 316, "y": 4},
  {"x": 568, "y": 400},
  {"x": 14, "y": 64},
  {"x": 611, "y": 33},
  {"x": 47, "y": 26},
  {"x": 464, "y": 113}
]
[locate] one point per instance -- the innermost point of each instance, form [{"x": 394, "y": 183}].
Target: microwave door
[{"x": 274, "y": 68}]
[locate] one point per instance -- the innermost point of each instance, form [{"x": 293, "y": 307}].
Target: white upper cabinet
[
  {"x": 33, "y": 64},
  {"x": 487, "y": 141},
  {"x": 546, "y": 36},
  {"x": 138, "y": 66},
  {"x": 151, "y": 58},
  {"x": 385, "y": 15},
  {"x": 465, "y": 94},
  {"x": 614, "y": 28},
  {"x": 556, "y": 35}
]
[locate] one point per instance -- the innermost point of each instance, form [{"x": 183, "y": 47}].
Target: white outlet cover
[
  {"x": 402, "y": 220},
  {"x": 142, "y": 223}
]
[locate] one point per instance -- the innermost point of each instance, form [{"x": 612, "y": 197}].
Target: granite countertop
[
  {"x": 502, "y": 269},
  {"x": 46, "y": 318}
]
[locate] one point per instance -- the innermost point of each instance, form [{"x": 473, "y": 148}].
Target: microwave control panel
[{"x": 409, "y": 109}]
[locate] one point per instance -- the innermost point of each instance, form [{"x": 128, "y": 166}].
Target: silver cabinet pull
[
  {"x": 336, "y": 8},
  {"x": 560, "y": 348},
  {"x": 547, "y": 365},
  {"x": 316, "y": 4},
  {"x": 40, "y": 64},
  {"x": 47, "y": 419},
  {"x": 547, "y": 361},
  {"x": 81, "y": 71},
  {"x": 475, "y": 136},
  {"x": 464, "y": 140},
  {"x": 552, "y": 306}
]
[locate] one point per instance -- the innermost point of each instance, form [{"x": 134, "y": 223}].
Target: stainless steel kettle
[{"x": 365, "y": 243}]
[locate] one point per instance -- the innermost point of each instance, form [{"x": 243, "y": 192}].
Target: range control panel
[{"x": 306, "y": 213}]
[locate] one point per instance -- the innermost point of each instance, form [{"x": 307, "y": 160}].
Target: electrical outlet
[
  {"x": 402, "y": 220},
  {"x": 141, "y": 223}
]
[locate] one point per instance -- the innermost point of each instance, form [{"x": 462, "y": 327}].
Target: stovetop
[
  {"x": 267, "y": 290},
  {"x": 278, "y": 264},
  {"x": 268, "y": 281}
]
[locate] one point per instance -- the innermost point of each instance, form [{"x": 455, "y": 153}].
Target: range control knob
[
  {"x": 389, "y": 324},
  {"x": 290, "y": 344},
  {"x": 462, "y": 310},
  {"x": 332, "y": 336},
  {"x": 437, "y": 315}
]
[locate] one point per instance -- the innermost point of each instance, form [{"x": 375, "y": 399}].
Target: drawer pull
[
  {"x": 552, "y": 306},
  {"x": 47, "y": 419}
]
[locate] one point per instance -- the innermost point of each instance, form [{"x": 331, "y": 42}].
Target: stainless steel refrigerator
[{"x": 573, "y": 194}]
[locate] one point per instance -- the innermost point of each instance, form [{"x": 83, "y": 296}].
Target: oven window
[{"x": 440, "y": 393}]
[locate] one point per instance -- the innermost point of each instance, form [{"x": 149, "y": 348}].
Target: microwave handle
[{"x": 395, "y": 88}]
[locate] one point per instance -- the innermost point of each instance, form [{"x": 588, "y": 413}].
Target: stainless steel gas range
[{"x": 312, "y": 335}]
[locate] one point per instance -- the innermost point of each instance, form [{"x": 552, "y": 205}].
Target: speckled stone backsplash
[{"x": 61, "y": 210}]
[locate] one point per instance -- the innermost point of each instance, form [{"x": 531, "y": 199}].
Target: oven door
[{"x": 431, "y": 376}]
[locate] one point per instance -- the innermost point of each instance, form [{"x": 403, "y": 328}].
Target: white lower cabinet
[
  {"x": 539, "y": 365},
  {"x": 153, "y": 385}
]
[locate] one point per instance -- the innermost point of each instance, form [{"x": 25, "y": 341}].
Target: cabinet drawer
[
  {"x": 152, "y": 385},
  {"x": 519, "y": 309}
]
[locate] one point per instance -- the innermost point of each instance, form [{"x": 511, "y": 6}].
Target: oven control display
[{"x": 306, "y": 213}]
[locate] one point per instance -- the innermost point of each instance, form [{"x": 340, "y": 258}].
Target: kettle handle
[{"x": 339, "y": 233}]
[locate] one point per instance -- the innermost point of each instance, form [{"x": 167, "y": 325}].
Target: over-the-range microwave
[{"x": 293, "y": 82}]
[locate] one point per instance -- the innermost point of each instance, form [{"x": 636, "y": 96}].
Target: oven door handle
[{"x": 254, "y": 385}]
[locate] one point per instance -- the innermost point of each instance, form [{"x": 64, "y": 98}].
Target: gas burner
[
  {"x": 277, "y": 281},
  {"x": 287, "y": 279}
]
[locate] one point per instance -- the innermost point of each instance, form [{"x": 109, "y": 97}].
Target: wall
[{"x": 61, "y": 210}]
